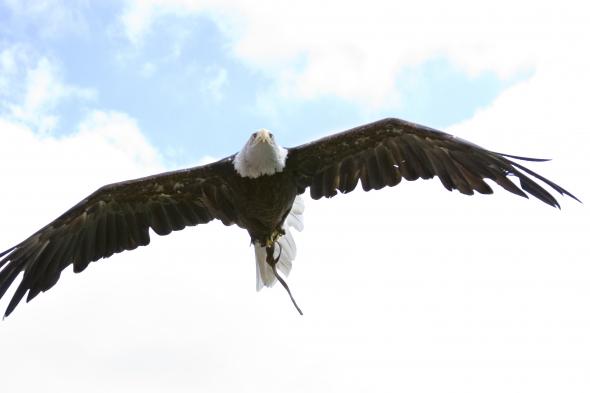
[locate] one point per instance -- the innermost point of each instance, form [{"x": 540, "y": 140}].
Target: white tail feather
[{"x": 287, "y": 248}]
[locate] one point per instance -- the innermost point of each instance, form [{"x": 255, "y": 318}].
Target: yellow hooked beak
[{"x": 263, "y": 136}]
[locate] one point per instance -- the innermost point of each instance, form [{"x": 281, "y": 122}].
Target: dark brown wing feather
[
  {"x": 382, "y": 153},
  {"x": 115, "y": 218}
]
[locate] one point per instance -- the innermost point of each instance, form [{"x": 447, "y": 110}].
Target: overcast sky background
[{"x": 410, "y": 289}]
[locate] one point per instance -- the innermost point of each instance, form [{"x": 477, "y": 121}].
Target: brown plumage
[{"x": 118, "y": 217}]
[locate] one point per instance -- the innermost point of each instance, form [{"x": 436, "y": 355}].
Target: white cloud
[
  {"x": 44, "y": 90},
  {"x": 215, "y": 83},
  {"x": 148, "y": 69},
  {"x": 139, "y": 15},
  {"x": 50, "y": 18},
  {"x": 33, "y": 87},
  {"x": 356, "y": 51},
  {"x": 11, "y": 58},
  {"x": 549, "y": 107},
  {"x": 107, "y": 147},
  {"x": 137, "y": 19}
]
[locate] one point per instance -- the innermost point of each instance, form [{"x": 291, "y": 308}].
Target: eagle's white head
[{"x": 261, "y": 155}]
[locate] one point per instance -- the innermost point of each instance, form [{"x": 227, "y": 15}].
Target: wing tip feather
[{"x": 562, "y": 191}]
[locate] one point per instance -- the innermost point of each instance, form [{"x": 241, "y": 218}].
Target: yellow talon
[{"x": 274, "y": 237}]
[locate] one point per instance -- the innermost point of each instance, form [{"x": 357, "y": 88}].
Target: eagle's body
[
  {"x": 259, "y": 190},
  {"x": 265, "y": 201}
]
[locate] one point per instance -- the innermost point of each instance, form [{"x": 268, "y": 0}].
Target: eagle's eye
[
  {"x": 271, "y": 135},
  {"x": 253, "y": 136}
]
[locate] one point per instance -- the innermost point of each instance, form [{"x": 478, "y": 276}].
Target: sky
[{"x": 410, "y": 289}]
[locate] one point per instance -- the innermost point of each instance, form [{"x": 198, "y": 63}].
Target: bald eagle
[{"x": 259, "y": 190}]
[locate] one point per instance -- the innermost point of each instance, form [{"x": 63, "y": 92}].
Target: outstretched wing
[
  {"x": 115, "y": 218},
  {"x": 382, "y": 153}
]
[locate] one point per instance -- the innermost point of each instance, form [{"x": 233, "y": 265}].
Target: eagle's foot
[
  {"x": 274, "y": 237},
  {"x": 272, "y": 262}
]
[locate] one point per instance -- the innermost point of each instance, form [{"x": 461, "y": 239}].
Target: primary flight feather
[{"x": 259, "y": 190}]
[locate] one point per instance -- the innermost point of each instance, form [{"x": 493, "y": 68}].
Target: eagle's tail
[{"x": 287, "y": 248}]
